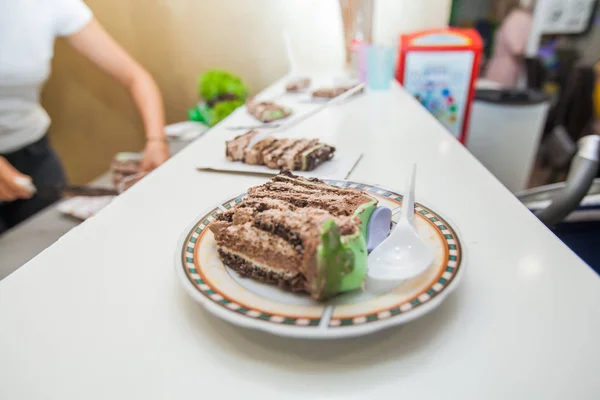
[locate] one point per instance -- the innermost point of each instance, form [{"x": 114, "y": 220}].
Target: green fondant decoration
[
  {"x": 341, "y": 262},
  {"x": 358, "y": 245},
  {"x": 333, "y": 261},
  {"x": 364, "y": 212},
  {"x": 273, "y": 114}
]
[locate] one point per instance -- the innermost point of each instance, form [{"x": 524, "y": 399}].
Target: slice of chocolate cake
[
  {"x": 125, "y": 165},
  {"x": 300, "y": 234},
  {"x": 330, "y": 93},
  {"x": 297, "y": 85},
  {"x": 267, "y": 111},
  {"x": 281, "y": 154}
]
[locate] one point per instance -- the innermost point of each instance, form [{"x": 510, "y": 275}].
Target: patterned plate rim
[{"x": 218, "y": 303}]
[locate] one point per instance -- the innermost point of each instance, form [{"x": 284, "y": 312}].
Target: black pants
[{"x": 41, "y": 163}]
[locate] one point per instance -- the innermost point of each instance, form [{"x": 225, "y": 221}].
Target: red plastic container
[{"x": 439, "y": 68}]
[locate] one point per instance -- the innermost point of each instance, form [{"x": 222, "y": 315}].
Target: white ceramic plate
[{"x": 251, "y": 304}]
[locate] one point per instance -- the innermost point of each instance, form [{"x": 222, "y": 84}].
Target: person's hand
[
  {"x": 155, "y": 153},
  {"x": 9, "y": 189}
]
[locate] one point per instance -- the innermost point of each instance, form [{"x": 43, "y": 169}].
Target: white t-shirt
[{"x": 27, "y": 32}]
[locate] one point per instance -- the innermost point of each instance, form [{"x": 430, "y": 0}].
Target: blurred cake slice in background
[
  {"x": 297, "y": 85},
  {"x": 267, "y": 111},
  {"x": 282, "y": 154}
]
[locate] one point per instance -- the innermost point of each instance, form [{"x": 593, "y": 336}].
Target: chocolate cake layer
[
  {"x": 262, "y": 204},
  {"x": 293, "y": 159},
  {"x": 301, "y": 225},
  {"x": 289, "y": 281},
  {"x": 247, "y": 210},
  {"x": 235, "y": 149},
  {"x": 259, "y": 246},
  {"x": 316, "y": 156},
  {"x": 274, "y": 158},
  {"x": 255, "y": 154}
]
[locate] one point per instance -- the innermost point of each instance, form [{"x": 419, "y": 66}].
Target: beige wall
[
  {"x": 176, "y": 40},
  {"x": 393, "y": 17}
]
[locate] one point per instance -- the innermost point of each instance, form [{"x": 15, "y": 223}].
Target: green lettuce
[{"x": 215, "y": 83}]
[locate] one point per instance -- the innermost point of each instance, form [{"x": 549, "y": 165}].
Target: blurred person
[
  {"x": 506, "y": 66},
  {"x": 596, "y": 100},
  {"x": 28, "y": 29}
]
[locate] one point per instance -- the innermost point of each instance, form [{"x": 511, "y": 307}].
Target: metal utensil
[
  {"x": 62, "y": 191},
  {"x": 252, "y": 127}
]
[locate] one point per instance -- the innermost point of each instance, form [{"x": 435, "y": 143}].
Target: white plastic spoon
[{"x": 403, "y": 255}]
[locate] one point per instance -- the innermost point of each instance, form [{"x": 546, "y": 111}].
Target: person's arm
[
  {"x": 96, "y": 44},
  {"x": 9, "y": 187},
  {"x": 517, "y": 30}
]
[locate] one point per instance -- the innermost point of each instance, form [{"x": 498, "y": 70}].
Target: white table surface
[{"x": 101, "y": 315}]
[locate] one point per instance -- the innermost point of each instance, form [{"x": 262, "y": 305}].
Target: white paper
[
  {"x": 82, "y": 207},
  {"x": 185, "y": 130},
  {"x": 339, "y": 167}
]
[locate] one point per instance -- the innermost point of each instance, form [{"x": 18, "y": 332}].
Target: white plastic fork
[{"x": 403, "y": 254}]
